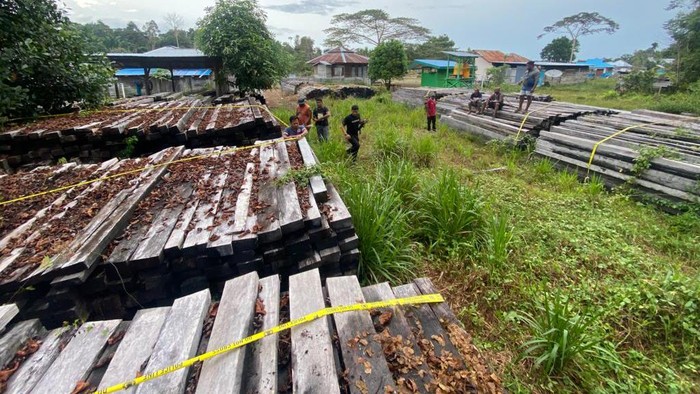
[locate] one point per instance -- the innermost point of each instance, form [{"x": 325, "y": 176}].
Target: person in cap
[
  {"x": 304, "y": 112},
  {"x": 321, "y": 114},
  {"x": 529, "y": 84},
  {"x": 352, "y": 125},
  {"x": 295, "y": 128},
  {"x": 431, "y": 110}
]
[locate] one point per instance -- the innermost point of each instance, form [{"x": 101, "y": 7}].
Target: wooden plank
[
  {"x": 313, "y": 363},
  {"x": 417, "y": 371},
  {"x": 289, "y": 209},
  {"x": 243, "y": 200},
  {"x": 367, "y": 370},
  {"x": 234, "y": 319},
  {"x": 270, "y": 230},
  {"x": 34, "y": 367},
  {"x": 151, "y": 249},
  {"x": 261, "y": 368},
  {"x": 339, "y": 216},
  {"x": 76, "y": 361},
  {"x": 16, "y": 337},
  {"x": 173, "y": 247},
  {"x": 135, "y": 348},
  {"x": 178, "y": 341},
  {"x": 312, "y": 218},
  {"x": 198, "y": 237},
  {"x": 7, "y": 313},
  {"x": 318, "y": 187}
]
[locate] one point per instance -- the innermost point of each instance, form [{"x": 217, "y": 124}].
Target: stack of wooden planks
[
  {"x": 340, "y": 92},
  {"x": 416, "y": 349},
  {"x": 171, "y": 229},
  {"x": 658, "y": 155},
  {"x": 155, "y": 125}
]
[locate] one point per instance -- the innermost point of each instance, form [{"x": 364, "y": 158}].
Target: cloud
[
  {"x": 86, "y": 3},
  {"x": 309, "y": 7},
  {"x": 131, "y": 10}
]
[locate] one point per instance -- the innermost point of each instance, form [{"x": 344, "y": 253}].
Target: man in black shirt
[
  {"x": 352, "y": 124},
  {"x": 321, "y": 114},
  {"x": 475, "y": 100}
]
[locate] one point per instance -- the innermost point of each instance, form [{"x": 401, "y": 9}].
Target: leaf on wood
[
  {"x": 385, "y": 318},
  {"x": 362, "y": 387},
  {"x": 80, "y": 387},
  {"x": 116, "y": 337},
  {"x": 259, "y": 307}
]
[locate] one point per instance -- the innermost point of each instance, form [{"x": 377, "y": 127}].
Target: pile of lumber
[
  {"x": 100, "y": 135},
  {"x": 340, "y": 92},
  {"x": 670, "y": 144},
  {"x": 404, "y": 349},
  {"x": 415, "y": 97},
  {"x": 168, "y": 230},
  {"x": 507, "y": 124}
]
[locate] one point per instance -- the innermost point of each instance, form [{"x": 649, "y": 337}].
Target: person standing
[
  {"x": 321, "y": 115},
  {"x": 304, "y": 113},
  {"x": 431, "y": 111},
  {"x": 529, "y": 83},
  {"x": 295, "y": 129},
  {"x": 352, "y": 124}
]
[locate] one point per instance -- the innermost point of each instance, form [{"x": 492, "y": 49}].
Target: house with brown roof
[
  {"x": 490, "y": 58},
  {"x": 340, "y": 64}
]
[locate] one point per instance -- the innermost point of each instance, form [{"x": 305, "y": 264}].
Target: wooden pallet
[{"x": 401, "y": 349}]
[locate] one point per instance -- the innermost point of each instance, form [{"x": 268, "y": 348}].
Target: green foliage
[
  {"x": 300, "y": 176},
  {"x": 581, "y": 24},
  {"x": 497, "y": 75},
  {"x": 388, "y": 61},
  {"x": 44, "y": 62},
  {"x": 685, "y": 30},
  {"x": 640, "y": 81},
  {"x": 401, "y": 176},
  {"x": 646, "y": 155},
  {"x": 302, "y": 51},
  {"x": 432, "y": 48},
  {"x": 449, "y": 213},
  {"x": 130, "y": 148},
  {"x": 564, "y": 341},
  {"x": 236, "y": 32},
  {"x": 373, "y": 27},
  {"x": 559, "y": 50},
  {"x": 62, "y": 161},
  {"x": 423, "y": 150},
  {"x": 498, "y": 236},
  {"x": 382, "y": 224}
]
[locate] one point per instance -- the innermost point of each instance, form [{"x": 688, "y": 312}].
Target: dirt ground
[{"x": 276, "y": 98}]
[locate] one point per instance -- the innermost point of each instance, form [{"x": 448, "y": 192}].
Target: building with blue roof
[{"x": 599, "y": 67}]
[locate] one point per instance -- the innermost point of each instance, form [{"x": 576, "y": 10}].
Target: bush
[
  {"x": 639, "y": 81},
  {"x": 448, "y": 213},
  {"x": 381, "y": 223}
]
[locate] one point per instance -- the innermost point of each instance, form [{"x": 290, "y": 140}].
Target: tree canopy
[
  {"x": 373, "y": 27},
  {"x": 45, "y": 61},
  {"x": 581, "y": 24},
  {"x": 559, "y": 50},
  {"x": 235, "y": 31},
  {"x": 431, "y": 48},
  {"x": 300, "y": 51},
  {"x": 387, "y": 62},
  {"x": 685, "y": 31}
]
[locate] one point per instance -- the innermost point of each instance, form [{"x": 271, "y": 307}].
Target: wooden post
[
  {"x": 172, "y": 78},
  {"x": 146, "y": 80}
]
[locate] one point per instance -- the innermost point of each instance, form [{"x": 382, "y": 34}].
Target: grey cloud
[{"x": 309, "y": 7}]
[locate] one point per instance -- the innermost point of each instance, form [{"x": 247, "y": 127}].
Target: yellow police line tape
[
  {"x": 145, "y": 168},
  {"x": 527, "y": 116},
  {"x": 423, "y": 299},
  {"x": 611, "y": 136}
]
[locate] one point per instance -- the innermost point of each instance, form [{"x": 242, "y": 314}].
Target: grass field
[{"x": 564, "y": 286}]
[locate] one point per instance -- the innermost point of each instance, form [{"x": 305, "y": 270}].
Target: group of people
[
  {"x": 300, "y": 124},
  {"x": 478, "y": 105}
]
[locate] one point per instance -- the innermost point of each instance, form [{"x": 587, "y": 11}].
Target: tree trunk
[
  {"x": 573, "y": 49},
  {"x": 177, "y": 40},
  {"x": 387, "y": 83}
]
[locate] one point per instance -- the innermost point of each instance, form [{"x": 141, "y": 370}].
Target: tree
[
  {"x": 559, "y": 50},
  {"x": 430, "y": 49},
  {"x": 235, "y": 31},
  {"x": 45, "y": 63},
  {"x": 168, "y": 39},
  {"x": 581, "y": 24},
  {"x": 175, "y": 22},
  {"x": 373, "y": 27},
  {"x": 685, "y": 31},
  {"x": 388, "y": 61},
  {"x": 497, "y": 75},
  {"x": 150, "y": 29},
  {"x": 131, "y": 39}
]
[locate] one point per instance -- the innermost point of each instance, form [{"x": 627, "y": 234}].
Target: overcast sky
[{"x": 506, "y": 25}]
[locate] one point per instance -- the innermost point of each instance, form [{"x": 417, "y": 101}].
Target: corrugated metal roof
[
  {"x": 546, "y": 64},
  {"x": 438, "y": 64},
  {"x": 461, "y": 54},
  {"x": 339, "y": 55},
  {"x": 167, "y": 51},
  {"x": 137, "y": 72},
  {"x": 596, "y": 63},
  {"x": 500, "y": 57}
]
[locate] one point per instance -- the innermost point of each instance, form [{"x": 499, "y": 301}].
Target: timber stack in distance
[
  {"x": 657, "y": 155},
  {"x": 180, "y": 221},
  {"x": 140, "y": 124},
  {"x": 415, "y": 348}
]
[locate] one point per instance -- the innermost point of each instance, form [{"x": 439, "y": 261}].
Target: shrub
[
  {"x": 448, "y": 212},
  {"x": 381, "y": 223}
]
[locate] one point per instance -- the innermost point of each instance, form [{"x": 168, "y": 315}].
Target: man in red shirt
[
  {"x": 304, "y": 113},
  {"x": 431, "y": 111}
]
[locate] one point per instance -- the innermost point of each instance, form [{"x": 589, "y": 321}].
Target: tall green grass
[
  {"x": 498, "y": 236},
  {"x": 401, "y": 177},
  {"x": 448, "y": 212}
]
